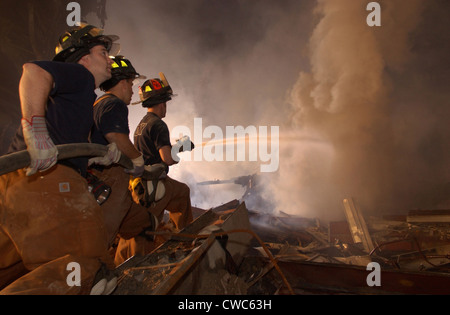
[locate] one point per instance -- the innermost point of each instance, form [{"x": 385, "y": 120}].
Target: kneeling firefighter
[
  {"x": 156, "y": 190},
  {"x": 123, "y": 217}
]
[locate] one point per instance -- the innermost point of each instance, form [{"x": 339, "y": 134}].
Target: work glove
[
  {"x": 184, "y": 144},
  {"x": 111, "y": 157},
  {"x": 138, "y": 167},
  {"x": 42, "y": 150}
]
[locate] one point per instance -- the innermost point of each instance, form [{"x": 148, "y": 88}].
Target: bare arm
[
  {"x": 34, "y": 90},
  {"x": 166, "y": 155}
]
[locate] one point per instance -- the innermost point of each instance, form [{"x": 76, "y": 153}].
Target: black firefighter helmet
[
  {"x": 120, "y": 69},
  {"x": 77, "y": 42},
  {"x": 155, "y": 91}
]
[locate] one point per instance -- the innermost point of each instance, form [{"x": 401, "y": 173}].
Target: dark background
[{"x": 29, "y": 31}]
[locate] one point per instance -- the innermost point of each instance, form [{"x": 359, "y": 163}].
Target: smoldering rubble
[{"x": 230, "y": 250}]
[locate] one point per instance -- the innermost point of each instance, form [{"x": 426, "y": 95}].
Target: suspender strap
[{"x": 102, "y": 98}]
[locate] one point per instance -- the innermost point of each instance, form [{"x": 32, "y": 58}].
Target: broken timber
[
  {"x": 181, "y": 265},
  {"x": 357, "y": 225}
]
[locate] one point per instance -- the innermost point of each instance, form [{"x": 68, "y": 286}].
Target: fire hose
[{"x": 17, "y": 160}]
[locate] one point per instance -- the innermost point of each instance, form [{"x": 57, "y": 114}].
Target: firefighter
[
  {"x": 111, "y": 126},
  {"x": 152, "y": 138},
  {"x": 49, "y": 222}
]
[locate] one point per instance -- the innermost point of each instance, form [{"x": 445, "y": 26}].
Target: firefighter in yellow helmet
[
  {"x": 123, "y": 217},
  {"x": 49, "y": 221}
]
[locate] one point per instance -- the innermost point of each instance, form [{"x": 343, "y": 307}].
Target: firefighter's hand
[
  {"x": 42, "y": 150},
  {"x": 138, "y": 167},
  {"x": 111, "y": 157},
  {"x": 184, "y": 144}
]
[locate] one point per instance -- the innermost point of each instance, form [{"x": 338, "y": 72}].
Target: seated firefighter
[
  {"x": 159, "y": 192},
  {"x": 122, "y": 216}
]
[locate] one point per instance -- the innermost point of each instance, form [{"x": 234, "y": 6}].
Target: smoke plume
[
  {"x": 361, "y": 109},
  {"x": 381, "y": 143}
]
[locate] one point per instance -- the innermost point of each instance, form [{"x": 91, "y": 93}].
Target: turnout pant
[
  {"x": 48, "y": 221},
  {"x": 177, "y": 202},
  {"x": 121, "y": 214}
]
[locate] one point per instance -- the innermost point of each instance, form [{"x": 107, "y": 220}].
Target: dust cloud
[
  {"x": 361, "y": 109},
  {"x": 369, "y": 100}
]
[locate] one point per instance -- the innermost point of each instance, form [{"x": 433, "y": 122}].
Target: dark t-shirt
[
  {"x": 110, "y": 115},
  {"x": 150, "y": 136},
  {"x": 69, "y": 113}
]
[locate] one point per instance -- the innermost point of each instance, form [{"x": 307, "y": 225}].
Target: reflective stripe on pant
[{"x": 177, "y": 202}]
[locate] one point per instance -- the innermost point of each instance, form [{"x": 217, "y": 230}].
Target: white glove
[
  {"x": 185, "y": 144},
  {"x": 42, "y": 150},
  {"x": 111, "y": 157},
  {"x": 138, "y": 167},
  {"x": 182, "y": 145}
]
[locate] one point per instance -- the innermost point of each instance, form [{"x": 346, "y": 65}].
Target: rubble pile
[{"x": 289, "y": 254}]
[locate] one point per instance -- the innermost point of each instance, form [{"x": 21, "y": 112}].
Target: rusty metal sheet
[{"x": 335, "y": 278}]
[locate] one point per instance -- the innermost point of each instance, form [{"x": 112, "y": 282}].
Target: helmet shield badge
[{"x": 155, "y": 91}]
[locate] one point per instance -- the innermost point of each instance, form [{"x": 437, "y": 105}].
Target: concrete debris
[{"x": 266, "y": 254}]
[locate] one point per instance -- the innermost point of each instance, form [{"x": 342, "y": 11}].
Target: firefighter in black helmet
[
  {"x": 51, "y": 218},
  {"x": 77, "y": 42},
  {"x": 155, "y": 91},
  {"x": 152, "y": 138},
  {"x": 111, "y": 112}
]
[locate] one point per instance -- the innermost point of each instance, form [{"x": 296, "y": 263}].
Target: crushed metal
[{"x": 243, "y": 252}]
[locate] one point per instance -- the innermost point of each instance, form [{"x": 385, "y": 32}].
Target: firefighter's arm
[
  {"x": 127, "y": 148},
  {"x": 34, "y": 90},
  {"x": 167, "y": 157}
]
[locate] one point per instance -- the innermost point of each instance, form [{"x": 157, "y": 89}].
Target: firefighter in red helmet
[{"x": 152, "y": 138}]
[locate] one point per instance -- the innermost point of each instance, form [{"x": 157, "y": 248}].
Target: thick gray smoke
[
  {"x": 361, "y": 110},
  {"x": 231, "y": 63},
  {"x": 369, "y": 100}
]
